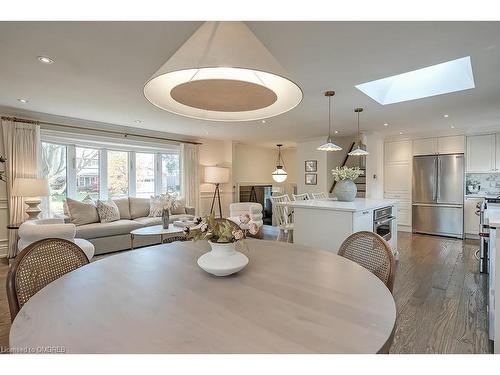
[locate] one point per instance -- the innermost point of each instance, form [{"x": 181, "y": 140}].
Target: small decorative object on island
[
  {"x": 222, "y": 234},
  {"x": 345, "y": 189}
]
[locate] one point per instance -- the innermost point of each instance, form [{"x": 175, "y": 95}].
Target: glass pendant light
[
  {"x": 358, "y": 151},
  {"x": 279, "y": 174},
  {"x": 329, "y": 145}
]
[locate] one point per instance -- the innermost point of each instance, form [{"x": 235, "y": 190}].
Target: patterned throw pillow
[
  {"x": 179, "y": 207},
  {"x": 108, "y": 211},
  {"x": 156, "y": 205}
]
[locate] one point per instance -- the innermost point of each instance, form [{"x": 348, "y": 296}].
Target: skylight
[{"x": 450, "y": 76}]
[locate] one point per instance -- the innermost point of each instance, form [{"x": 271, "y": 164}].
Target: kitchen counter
[
  {"x": 325, "y": 224},
  {"x": 359, "y": 204}
]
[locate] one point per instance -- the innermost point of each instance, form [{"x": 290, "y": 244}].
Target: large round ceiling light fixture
[{"x": 223, "y": 73}]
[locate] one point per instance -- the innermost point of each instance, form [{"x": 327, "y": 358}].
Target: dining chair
[
  {"x": 371, "y": 251},
  {"x": 284, "y": 218},
  {"x": 300, "y": 197},
  {"x": 321, "y": 195},
  {"x": 38, "y": 265}
]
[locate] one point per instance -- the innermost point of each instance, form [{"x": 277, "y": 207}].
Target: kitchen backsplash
[{"x": 482, "y": 184}]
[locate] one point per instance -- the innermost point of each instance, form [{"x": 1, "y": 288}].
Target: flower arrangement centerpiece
[
  {"x": 168, "y": 201},
  {"x": 222, "y": 234},
  {"x": 345, "y": 188}
]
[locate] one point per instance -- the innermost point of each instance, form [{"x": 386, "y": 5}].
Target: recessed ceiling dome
[{"x": 223, "y": 73}]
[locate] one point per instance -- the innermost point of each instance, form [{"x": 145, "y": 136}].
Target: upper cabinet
[
  {"x": 442, "y": 145},
  {"x": 482, "y": 153},
  {"x": 398, "y": 151}
]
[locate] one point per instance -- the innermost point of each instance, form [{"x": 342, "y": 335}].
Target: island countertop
[{"x": 359, "y": 204}]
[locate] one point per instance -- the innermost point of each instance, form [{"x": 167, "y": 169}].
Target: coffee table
[{"x": 171, "y": 233}]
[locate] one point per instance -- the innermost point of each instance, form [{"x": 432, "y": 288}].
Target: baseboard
[{"x": 404, "y": 228}]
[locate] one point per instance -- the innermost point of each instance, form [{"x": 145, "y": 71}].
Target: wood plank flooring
[{"x": 440, "y": 297}]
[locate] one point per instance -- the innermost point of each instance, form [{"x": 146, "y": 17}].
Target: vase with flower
[
  {"x": 345, "y": 188},
  {"x": 222, "y": 235}
]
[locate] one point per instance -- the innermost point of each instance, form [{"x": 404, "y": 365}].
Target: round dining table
[{"x": 289, "y": 299}]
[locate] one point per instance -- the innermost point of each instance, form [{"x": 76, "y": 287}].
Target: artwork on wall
[
  {"x": 311, "y": 165},
  {"x": 311, "y": 179}
]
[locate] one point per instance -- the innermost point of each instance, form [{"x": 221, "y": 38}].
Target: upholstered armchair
[
  {"x": 33, "y": 230},
  {"x": 254, "y": 210}
]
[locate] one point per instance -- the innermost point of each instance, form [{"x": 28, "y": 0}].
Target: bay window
[{"x": 81, "y": 170}]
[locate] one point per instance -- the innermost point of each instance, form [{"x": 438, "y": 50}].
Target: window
[
  {"x": 54, "y": 169},
  {"x": 118, "y": 173},
  {"x": 145, "y": 175},
  {"x": 87, "y": 172},
  {"x": 170, "y": 176},
  {"x": 78, "y": 171}
]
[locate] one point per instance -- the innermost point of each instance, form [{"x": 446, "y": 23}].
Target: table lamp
[
  {"x": 216, "y": 175},
  {"x": 31, "y": 189}
]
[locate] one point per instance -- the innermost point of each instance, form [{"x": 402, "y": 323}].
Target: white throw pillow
[
  {"x": 108, "y": 211},
  {"x": 82, "y": 213},
  {"x": 179, "y": 207}
]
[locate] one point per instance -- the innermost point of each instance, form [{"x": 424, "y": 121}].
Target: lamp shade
[
  {"x": 223, "y": 72},
  {"x": 216, "y": 175},
  {"x": 30, "y": 187}
]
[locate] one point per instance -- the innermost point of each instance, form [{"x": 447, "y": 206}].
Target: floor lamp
[{"x": 217, "y": 176}]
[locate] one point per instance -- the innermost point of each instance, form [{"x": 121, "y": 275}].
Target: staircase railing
[{"x": 343, "y": 163}]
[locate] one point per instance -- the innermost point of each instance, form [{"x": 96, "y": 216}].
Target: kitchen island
[{"x": 325, "y": 224}]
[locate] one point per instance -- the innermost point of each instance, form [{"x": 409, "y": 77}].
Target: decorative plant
[
  {"x": 220, "y": 230},
  {"x": 346, "y": 173},
  {"x": 170, "y": 200}
]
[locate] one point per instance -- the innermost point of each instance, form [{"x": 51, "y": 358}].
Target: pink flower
[
  {"x": 253, "y": 229},
  {"x": 244, "y": 218},
  {"x": 238, "y": 234}
]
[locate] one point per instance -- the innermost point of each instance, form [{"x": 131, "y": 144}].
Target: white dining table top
[{"x": 289, "y": 299}]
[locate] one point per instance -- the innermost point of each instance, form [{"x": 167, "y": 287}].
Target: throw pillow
[
  {"x": 108, "y": 211},
  {"x": 82, "y": 213},
  {"x": 156, "y": 206},
  {"x": 179, "y": 207}
]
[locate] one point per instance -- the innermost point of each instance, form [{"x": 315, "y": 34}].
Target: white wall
[
  {"x": 215, "y": 153},
  {"x": 327, "y": 161},
  {"x": 375, "y": 166},
  {"x": 255, "y": 165}
]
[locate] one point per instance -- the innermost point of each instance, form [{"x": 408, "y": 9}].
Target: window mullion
[
  {"x": 158, "y": 181},
  {"x": 103, "y": 174},
  {"x": 132, "y": 174},
  {"x": 71, "y": 171}
]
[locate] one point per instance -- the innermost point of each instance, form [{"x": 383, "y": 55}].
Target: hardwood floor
[{"x": 440, "y": 297}]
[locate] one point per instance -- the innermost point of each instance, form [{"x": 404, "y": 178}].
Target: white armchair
[
  {"x": 250, "y": 208},
  {"x": 34, "y": 230}
]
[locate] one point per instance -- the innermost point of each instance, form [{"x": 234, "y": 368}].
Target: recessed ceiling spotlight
[
  {"x": 138, "y": 121},
  {"x": 453, "y": 126},
  {"x": 386, "y": 124},
  {"x": 263, "y": 121},
  {"x": 400, "y": 132},
  {"x": 22, "y": 100},
  {"x": 446, "y": 116},
  {"x": 45, "y": 60},
  {"x": 336, "y": 132}
]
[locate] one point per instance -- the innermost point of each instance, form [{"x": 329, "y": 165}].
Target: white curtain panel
[
  {"x": 190, "y": 175},
  {"x": 22, "y": 149}
]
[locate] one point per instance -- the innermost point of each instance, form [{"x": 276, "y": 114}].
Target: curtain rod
[{"x": 17, "y": 119}]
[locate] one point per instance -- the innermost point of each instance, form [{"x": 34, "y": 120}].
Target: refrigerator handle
[{"x": 438, "y": 179}]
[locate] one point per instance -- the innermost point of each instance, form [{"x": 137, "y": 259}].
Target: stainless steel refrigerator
[{"x": 438, "y": 195}]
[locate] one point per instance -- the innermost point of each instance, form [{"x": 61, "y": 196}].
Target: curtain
[
  {"x": 21, "y": 147},
  {"x": 190, "y": 175}
]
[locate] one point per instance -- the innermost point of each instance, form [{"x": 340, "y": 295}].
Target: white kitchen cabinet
[
  {"x": 481, "y": 153},
  {"x": 397, "y": 178},
  {"x": 451, "y": 145},
  {"x": 426, "y": 146},
  {"x": 362, "y": 220},
  {"x": 471, "y": 220},
  {"x": 398, "y": 151}
]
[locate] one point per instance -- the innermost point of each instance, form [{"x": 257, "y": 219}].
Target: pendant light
[
  {"x": 358, "y": 151},
  {"x": 279, "y": 174},
  {"x": 329, "y": 145},
  {"x": 223, "y": 73}
]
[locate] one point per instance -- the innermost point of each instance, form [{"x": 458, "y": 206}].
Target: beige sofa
[{"x": 134, "y": 214}]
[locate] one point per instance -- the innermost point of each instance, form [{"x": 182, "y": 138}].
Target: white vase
[
  {"x": 223, "y": 260},
  {"x": 345, "y": 190}
]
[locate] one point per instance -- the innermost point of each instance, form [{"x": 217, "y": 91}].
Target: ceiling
[{"x": 100, "y": 69}]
